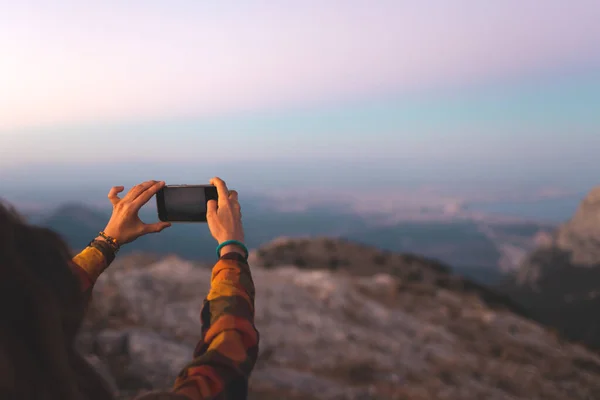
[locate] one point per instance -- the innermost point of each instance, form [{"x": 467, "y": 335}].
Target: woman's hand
[
  {"x": 125, "y": 225},
  {"x": 225, "y": 221}
]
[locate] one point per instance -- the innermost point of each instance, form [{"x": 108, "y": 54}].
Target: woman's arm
[
  {"x": 87, "y": 266},
  {"x": 124, "y": 227},
  {"x": 228, "y": 347}
]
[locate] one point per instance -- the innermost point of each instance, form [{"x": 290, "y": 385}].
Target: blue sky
[
  {"x": 459, "y": 89},
  {"x": 513, "y": 123}
]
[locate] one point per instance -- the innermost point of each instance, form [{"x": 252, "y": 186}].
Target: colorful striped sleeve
[
  {"x": 228, "y": 347},
  {"x": 87, "y": 266}
]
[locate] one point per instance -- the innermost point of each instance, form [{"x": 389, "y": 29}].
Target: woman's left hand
[{"x": 125, "y": 225}]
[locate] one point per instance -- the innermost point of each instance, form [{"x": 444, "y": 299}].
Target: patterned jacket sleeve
[
  {"x": 228, "y": 347},
  {"x": 88, "y": 265}
]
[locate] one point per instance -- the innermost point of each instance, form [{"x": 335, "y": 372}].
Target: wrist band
[
  {"x": 112, "y": 241},
  {"x": 105, "y": 248},
  {"x": 232, "y": 242}
]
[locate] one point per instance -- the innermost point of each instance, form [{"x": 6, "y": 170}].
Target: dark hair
[{"x": 41, "y": 309}]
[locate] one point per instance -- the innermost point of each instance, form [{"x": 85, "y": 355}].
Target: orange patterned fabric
[{"x": 228, "y": 346}]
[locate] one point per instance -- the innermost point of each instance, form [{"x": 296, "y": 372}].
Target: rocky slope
[
  {"x": 346, "y": 322},
  {"x": 581, "y": 235},
  {"x": 559, "y": 283}
]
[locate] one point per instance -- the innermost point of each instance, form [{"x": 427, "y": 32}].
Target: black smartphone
[{"x": 184, "y": 203}]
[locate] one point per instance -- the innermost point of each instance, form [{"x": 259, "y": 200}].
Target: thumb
[{"x": 157, "y": 227}]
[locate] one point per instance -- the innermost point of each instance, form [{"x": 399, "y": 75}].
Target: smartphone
[{"x": 184, "y": 203}]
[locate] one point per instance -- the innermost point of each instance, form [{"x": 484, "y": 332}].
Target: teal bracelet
[{"x": 234, "y": 242}]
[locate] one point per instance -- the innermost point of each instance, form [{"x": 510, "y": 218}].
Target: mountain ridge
[
  {"x": 358, "y": 259},
  {"x": 559, "y": 282},
  {"x": 480, "y": 252}
]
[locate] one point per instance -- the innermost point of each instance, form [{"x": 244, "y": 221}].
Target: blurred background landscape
[
  {"x": 464, "y": 132},
  {"x": 476, "y": 123}
]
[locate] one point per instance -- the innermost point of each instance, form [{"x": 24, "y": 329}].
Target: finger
[
  {"x": 211, "y": 208},
  {"x": 222, "y": 191},
  {"x": 234, "y": 203},
  {"x": 146, "y": 195},
  {"x": 157, "y": 227},
  {"x": 113, "y": 194},
  {"x": 141, "y": 188},
  {"x": 138, "y": 189}
]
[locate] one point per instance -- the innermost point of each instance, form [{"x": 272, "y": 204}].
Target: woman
[{"x": 44, "y": 293}]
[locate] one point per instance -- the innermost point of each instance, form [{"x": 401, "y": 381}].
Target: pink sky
[{"x": 66, "y": 62}]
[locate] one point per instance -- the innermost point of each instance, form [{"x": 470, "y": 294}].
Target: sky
[{"x": 301, "y": 91}]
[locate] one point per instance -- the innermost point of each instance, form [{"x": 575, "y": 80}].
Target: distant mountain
[
  {"x": 79, "y": 224},
  {"x": 486, "y": 276},
  {"x": 76, "y": 223},
  {"x": 474, "y": 248},
  {"x": 480, "y": 250},
  {"x": 457, "y": 243},
  {"x": 559, "y": 282}
]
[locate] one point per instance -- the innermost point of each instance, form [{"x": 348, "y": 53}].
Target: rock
[
  {"x": 387, "y": 326},
  {"x": 299, "y": 383},
  {"x": 111, "y": 343},
  {"x": 158, "y": 358},
  {"x": 104, "y": 372},
  {"x": 581, "y": 235},
  {"x": 558, "y": 282}
]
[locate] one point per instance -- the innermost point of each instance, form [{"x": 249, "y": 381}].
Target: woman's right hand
[{"x": 225, "y": 218}]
